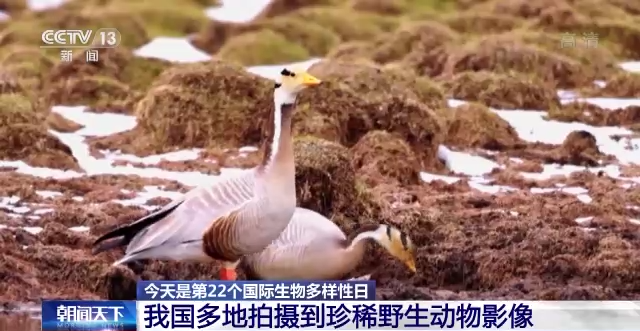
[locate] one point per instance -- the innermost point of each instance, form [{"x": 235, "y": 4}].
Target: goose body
[
  {"x": 237, "y": 215},
  {"x": 312, "y": 247}
]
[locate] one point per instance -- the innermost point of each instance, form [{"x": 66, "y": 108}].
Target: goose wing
[
  {"x": 292, "y": 255},
  {"x": 183, "y": 221}
]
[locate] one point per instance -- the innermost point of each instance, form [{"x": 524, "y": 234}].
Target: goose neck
[{"x": 278, "y": 145}]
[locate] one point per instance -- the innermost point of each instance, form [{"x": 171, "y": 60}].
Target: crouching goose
[
  {"x": 312, "y": 247},
  {"x": 236, "y": 216}
]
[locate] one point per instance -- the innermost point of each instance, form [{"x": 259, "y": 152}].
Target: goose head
[
  {"x": 398, "y": 244},
  {"x": 292, "y": 82}
]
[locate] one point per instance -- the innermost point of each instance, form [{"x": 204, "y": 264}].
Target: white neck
[
  {"x": 361, "y": 238},
  {"x": 280, "y": 97}
]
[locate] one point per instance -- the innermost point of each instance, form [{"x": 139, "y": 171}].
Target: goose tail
[{"x": 123, "y": 235}]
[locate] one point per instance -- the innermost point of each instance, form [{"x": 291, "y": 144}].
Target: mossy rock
[
  {"x": 325, "y": 179},
  {"x": 313, "y": 37},
  {"x": 413, "y": 36},
  {"x": 380, "y": 155},
  {"x": 23, "y": 136},
  {"x": 13, "y": 6},
  {"x": 28, "y": 30},
  {"x": 495, "y": 54},
  {"x": 474, "y": 125},
  {"x": 410, "y": 119},
  {"x": 351, "y": 51},
  {"x": 16, "y": 108},
  {"x": 503, "y": 91},
  {"x": 204, "y": 104},
  {"x": 277, "y": 8},
  {"x": 377, "y": 83},
  {"x": 262, "y": 48},
  {"x": 622, "y": 85},
  {"x": 167, "y": 17},
  {"x": 97, "y": 92},
  {"x": 481, "y": 23},
  {"x": 308, "y": 123},
  {"x": 347, "y": 24},
  {"x": 599, "y": 59},
  {"x": 27, "y": 63},
  {"x": 118, "y": 64},
  {"x": 382, "y": 7},
  {"x": 9, "y": 84}
]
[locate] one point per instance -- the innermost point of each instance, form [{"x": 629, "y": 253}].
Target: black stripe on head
[
  {"x": 277, "y": 85},
  {"x": 286, "y": 72},
  {"x": 389, "y": 232},
  {"x": 404, "y": 240}
]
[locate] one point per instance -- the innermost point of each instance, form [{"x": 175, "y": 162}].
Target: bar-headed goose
[
  {"x": 236, "y": 216},
  {"x": 312, "y": 247}
]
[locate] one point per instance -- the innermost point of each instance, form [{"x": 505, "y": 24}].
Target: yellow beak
[
  {"x": 308, "y": 80},
  {"x": 411, "y": 264}
]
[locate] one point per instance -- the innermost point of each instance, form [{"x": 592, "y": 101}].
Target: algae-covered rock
[
  {"x": 475, "y": 125},
  {"x": 204, "y": 104},
  {"x": 23, "y": 136},
  {"x": 503, "y": 91},
  {"x": 380, "y": 154},
  {"x": 501, "y": 56},
  {"x": 376, "y": 83},
  {"x": 262, "y": 48},
  {"x": 325, "y": 179}
]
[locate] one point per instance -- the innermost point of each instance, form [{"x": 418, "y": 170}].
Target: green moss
[
  {"x": 314, "y": 37},
  {"x": 139, "y": 73},
  {"x": 261, "y": 48},
  {"x": 347, "y": 24},
  {"x": 16, "y": 109},
  {"x": 481, "y": 23},
  {"x": 166, "y": 17}
]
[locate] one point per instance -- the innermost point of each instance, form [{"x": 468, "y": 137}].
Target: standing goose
[
  {"x": 312, "y": 247},
  {"x": 236, "y": 216}
]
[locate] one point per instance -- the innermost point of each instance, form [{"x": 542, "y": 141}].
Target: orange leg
[{"x": 228, "y": 274}]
